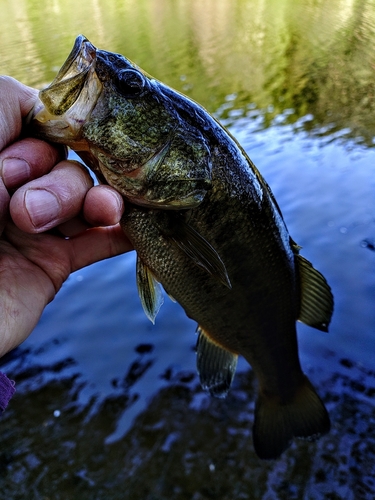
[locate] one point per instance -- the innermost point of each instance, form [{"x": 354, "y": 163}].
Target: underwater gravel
[{"x": 186, "y": 445}]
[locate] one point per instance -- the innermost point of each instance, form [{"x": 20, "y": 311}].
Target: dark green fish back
[{"x": 204, "y": 224}]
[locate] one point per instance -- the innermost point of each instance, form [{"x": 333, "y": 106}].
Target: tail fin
[{"x": 277, "y": 424}]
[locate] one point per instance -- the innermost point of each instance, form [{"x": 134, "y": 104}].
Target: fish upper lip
[
  {"x": 66, "y": 88},
  {"x": 80, "y": 58},
  {"x": 71, "y": 95}
]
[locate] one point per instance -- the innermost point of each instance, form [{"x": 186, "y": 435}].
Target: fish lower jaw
[
  {"x": 61, "y": 133},
  {"x": 58, "y": 129}
]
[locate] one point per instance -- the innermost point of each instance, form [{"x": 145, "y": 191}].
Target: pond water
[{"x": 108, "y": 406}]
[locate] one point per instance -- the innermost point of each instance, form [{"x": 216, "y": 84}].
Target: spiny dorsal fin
[
  {"x": 149, "y": 290},
  {"x": 316, "y": 296},
  {"x": 201, "y": 252},
  {"x": 216, "y": 366}
]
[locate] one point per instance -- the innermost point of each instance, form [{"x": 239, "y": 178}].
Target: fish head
[{"x": 128, "y": 127}]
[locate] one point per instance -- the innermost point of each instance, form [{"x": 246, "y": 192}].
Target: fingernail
[
  {"x": 15, "y": 171},
  {"x": 42, "y": 206},
  {"x": 118, "y": 201}
]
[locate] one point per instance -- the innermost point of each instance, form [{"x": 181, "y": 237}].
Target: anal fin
[
  {"x": 316, "y": 296},
  {"x": 149, "y": 290},
  {"x": 216, "y": 366}
]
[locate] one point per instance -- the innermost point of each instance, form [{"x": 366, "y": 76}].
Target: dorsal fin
[
  {"x": 201, "y": 252},
  {"x": 149, "y": 290},
  {"x": 216, "y": 366},
  {"x": 316, "y": 296}
]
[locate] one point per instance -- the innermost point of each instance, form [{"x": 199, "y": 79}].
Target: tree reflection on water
[{"x": 276, "y": 72}]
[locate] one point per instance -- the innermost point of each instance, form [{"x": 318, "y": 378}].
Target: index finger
[
  {"x": 28, "y": 159},
  {"x": 16, "y": 100}
]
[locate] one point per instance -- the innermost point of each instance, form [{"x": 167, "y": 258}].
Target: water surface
[{"x": 108, "y": 405}]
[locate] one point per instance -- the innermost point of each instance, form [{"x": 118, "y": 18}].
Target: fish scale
[{"x": 205, "y": 225}]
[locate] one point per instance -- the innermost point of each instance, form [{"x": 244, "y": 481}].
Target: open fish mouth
[{"x": 67, "y": 102}]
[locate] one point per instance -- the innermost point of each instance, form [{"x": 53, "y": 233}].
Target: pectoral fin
[
  {"x": 201, "y": 252},
  {"x": 216, "y": 366},
  {"x": 149, "y": 290},
  {"x": 316, "y": 296}
]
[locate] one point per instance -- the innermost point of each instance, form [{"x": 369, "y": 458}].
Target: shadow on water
[
  {"x": 109, "y": 406},
  {"x": 185, "y": 445}
]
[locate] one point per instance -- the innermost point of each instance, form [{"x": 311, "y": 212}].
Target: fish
[{"x": 206, "y": 228}]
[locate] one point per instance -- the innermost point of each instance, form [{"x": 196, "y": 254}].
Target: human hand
[{"x": 52, "y": 220}]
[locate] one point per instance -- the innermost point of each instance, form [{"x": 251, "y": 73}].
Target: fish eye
[{"x": 130, "y": 82}]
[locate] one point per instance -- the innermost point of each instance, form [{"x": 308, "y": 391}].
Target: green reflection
[{"x": 306, "y": 57}]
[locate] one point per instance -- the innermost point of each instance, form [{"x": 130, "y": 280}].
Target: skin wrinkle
[
  {"x": 33, "y": 152},
  {"x": 97, "y": 210},
  {"x": 68, "y": 255},
  {"x": 28, "y": 205},
  {"x": 7, "y": 291},
  {"x": 34, "y": 263},
  {"x": 61, "y": 270},
  {"x": 80, "y": 182},
  {"x": 113, "y": 245},
  {"x": 49, "y": 258},
  {"x": 107, "y": 244},
  {"x": 67, "y": 183},
  {"x": 12, "y": 268},
  {"x": 10, "y": 129},
  {"x": 4, "y": 203}
]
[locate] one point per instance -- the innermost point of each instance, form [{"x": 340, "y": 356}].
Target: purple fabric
[{"x": 7, "y": 389}]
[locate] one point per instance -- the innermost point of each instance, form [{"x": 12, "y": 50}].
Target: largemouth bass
[{"x": 205, "y": 225}]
